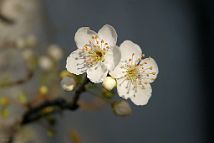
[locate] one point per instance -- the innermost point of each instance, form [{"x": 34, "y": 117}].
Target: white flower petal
[
  {"x": 83, "y": 36},
  {"x": 118, "y": 71},
  {"x": 130, "y": 50},
  {"x": 97, "y": 73},
  {"x": 75, "y": 64},
  {"x": 125, "y": 88},
  {"x": 150, "y": 70},
  {"x": 112, "y": 58},
  {"x": 108, "y": 34},
  {"x": 142, "y": 95}
]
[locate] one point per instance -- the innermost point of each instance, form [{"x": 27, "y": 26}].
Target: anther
[{"x": 153, "y": 73}]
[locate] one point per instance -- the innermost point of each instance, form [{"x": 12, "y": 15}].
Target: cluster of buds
[
  {"x": 45, "y": 66},
  {"x": 29, "y": 41},
  {"x": 54, "y": 54}
]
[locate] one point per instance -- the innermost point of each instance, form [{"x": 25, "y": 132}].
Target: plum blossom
[
  {"x": 96, "y": 53},
  {"x": 134, "y": 74}
]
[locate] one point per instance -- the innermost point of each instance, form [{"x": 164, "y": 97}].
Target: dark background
[{"x": 178, "y": 34}]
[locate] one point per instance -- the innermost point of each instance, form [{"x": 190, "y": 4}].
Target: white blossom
[
  {"x": 97, "y": 53},
  {"x": 134, "y": 74}
]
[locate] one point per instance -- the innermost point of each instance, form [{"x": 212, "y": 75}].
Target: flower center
[
  {"x": 99, "y": 54},
  {"x": 132, "y": 75},
  {"x": 132, "y": 72},
  {"x": 96, "y": 55},
  {"x": 92, "y": 52}
]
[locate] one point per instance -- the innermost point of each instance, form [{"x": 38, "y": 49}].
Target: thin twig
[
  {"x": 6, "y": 20},
  {"x": 58, "y": 105},
  {"x": 28, "y": 77}
]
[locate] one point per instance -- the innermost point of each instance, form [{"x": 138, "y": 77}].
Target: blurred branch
[
  {"x": 3, "y": 18},
  {"x": 96, "y": 104},
  {"x": 54, "y": 106},
  {"x": 29, "y": 74},
  {"x": 18, "y": 82},
  {"x": 6, "y": 20}
]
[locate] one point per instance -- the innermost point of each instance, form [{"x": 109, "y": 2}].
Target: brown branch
[
  {"x": 58, "y": 105},
  {"x": 6, "y": 19}
]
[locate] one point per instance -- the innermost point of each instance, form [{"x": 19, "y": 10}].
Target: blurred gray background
[{"x": 168, "y": 31}]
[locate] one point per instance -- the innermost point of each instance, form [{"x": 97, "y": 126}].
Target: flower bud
[
  {"x": 20, "y": 43},
  {"x": 68, "y": 83},
  {"x": 65, "y": 73},
  {"x": 43, "y": 90},
  {"x": 27, "y": 54},
  {"x": 121, "y": 108},
  {"x": 31, "y": 41},
  {"x": 4, "y": 101},
  {"x": 45, "y": 63},
  {"x": 109, "y": 83},
  {"x": 22, "y": 99},
  {"x": 55, "y": 52},
  {"x": 5, "y": 113}
]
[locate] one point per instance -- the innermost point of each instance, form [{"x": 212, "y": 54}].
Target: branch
[
  {"x": 6, "y": 20},
  {"x": 58, "y": 106},
  {"x": 18, "y": 82}
]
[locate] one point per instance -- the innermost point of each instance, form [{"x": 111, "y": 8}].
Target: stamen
[
  {"x": 128, "y": 87},
  {"x": 122, "y": 82},
  {"x": 93, "y": 52},
  {"x": 143, "y": 56},
  {"x": 135, "y": 74}
]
